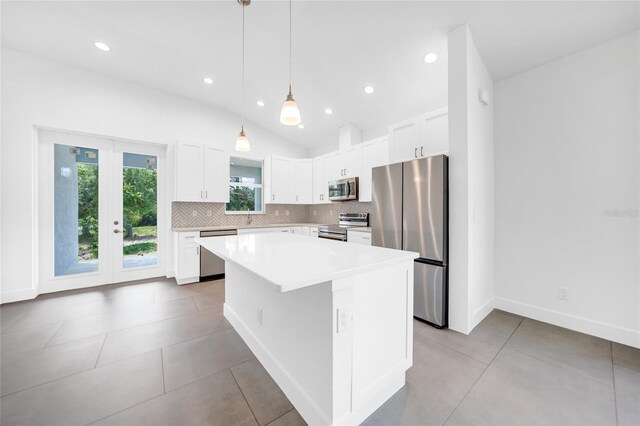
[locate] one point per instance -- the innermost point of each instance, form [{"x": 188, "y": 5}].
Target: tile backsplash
[{"x": 192, "y": 215}]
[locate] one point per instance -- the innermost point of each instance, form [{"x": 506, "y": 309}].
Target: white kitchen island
[{"x": 331, "y": 322}]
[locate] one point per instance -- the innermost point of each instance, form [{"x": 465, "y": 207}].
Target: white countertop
[
  {"x": 295, "y": 261},
  {"x": 360, "y": 229},
  {"x": 226, "y": 227}
]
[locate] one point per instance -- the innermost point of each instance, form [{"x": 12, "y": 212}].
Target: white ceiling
[{"x": 339, "y": 47}]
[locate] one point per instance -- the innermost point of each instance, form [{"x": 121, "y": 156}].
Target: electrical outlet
[
  {"x": 286, "y": 212},
  {"x": 563, "y": 293},
  {"x": 259, "y": 316},
  {"x": 195, "y": 213},
  {"x": 314, "y": 212},
  {"x": 277, "y": 212},
  {"x": 344, "y": 319},
  {"x": 208, "y": 213}
]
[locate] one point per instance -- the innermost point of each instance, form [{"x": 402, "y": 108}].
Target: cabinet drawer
[
  {"x": 359, "y": 238},
  {"x": 187, "y": 237}
]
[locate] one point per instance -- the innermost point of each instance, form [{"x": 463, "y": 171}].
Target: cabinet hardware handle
[
  {"x": 421, "y": 154},
  {"x": 415, "y": 152},
  {"x": 197, "y": 250},
  {"x": 206, "y": 194},
  {"x": 273, "y": 197},
  {"x": 296, "y": 198}
]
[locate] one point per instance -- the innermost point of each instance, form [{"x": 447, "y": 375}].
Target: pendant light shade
[
  {"x": 242, "y": 143},
  {"x": 290, "y": 113}
]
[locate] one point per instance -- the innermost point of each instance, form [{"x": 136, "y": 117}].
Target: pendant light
[
  {"x": 242, "y": 142},
  {"x": 290, "y": 113}
]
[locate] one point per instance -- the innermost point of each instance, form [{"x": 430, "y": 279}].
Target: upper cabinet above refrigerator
[{"x": 420, "y": 137}]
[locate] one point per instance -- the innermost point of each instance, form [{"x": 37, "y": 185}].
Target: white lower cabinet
[
  {"x": 270, "y": 229},
  {"x": 188, "y": 264},
  {"x": 358, "y": 237},
  {"x": 313, "y": 231}
]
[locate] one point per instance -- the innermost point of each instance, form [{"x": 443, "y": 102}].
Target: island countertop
[{"x": 291, "y": 261}]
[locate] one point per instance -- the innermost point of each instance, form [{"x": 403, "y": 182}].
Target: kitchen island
[{"x": 331, "y": 322}]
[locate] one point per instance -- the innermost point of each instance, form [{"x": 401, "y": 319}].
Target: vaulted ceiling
[{"x": 339, "y": 47}]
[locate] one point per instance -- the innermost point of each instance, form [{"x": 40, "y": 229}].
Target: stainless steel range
[{"x": 347, "y": 220}]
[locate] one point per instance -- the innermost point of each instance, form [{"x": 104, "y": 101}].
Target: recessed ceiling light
[
  {"x": 208, "y": 80},
  {"x": 300, "y": 126},
  {"x": 369, "y": 90},
  {"x": 100, "y": 45},
  {"x": 260, "y": 103},
  {"x": 328, "y": 111},
  {"x": 430, "y": 58}
]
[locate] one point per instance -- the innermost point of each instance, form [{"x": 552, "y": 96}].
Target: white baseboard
[
  {"x": 611, "y": 332},
  {"x": 170, "y": 273},
  {"x": 16, "y": 296},
  {"x": 480, "y": 313}
]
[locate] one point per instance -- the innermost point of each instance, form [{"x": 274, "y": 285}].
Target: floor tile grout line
[
  {"x": 101, "y": 348},
  {"x": 167, "y": 393},
  {"x": 481, "y": 375},
  {"x": 155, "y": 302},
  {"x": 279, "y": 417},
  {"x": 613, "y": 374},
  {"x": 567, "y": 368},
  {"x": 53, "y": 335},
  {"x": 166, "y": 346},
  {"x": 164, "y": 385},
  {"x": 243, "y": 395},
  {"x": 454, "y": 349}
]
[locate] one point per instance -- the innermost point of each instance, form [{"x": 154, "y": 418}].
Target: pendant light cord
[
  {"x": 290, "y": 45},
  {"x": 243, "y": 47}
]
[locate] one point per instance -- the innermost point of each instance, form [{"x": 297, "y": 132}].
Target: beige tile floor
[{"x": 154, "y": 353}]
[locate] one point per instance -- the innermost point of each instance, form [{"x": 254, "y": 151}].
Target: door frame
[{"x": 43, "y": 279}]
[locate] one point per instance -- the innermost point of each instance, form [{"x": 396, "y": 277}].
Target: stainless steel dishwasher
[{"x": 211, "y": 266}]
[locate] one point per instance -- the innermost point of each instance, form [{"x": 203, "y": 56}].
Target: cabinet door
[
  {"x": 369, "y": 156},
  {"x": 404, "y": 140},
  {"x": 434, "y": 133},
  {"x": 328, "y": 175},
  {"x": 304, "y": 181},
  {"x": 282, "y": 181},
  {"x": 383, "y": 151},
  {"x": 189, "y": 172},
  {"x": 216, "y": 175},
  {"x": 318, "y": 179},
  {"x": 338, "y": 165},
  {"x": 353, "y": 167}
]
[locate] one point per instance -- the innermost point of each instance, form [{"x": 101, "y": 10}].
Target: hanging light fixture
[
  {"x": 242, "y": 142},
  {"x": 290, "y": 113}
]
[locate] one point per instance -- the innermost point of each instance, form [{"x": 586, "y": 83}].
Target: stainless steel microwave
[{"x": 343, "y": 189}]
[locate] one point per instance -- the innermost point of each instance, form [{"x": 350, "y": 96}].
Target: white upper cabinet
[
  {"x": 216, "y": 175},
  {"x": 353, "y": 166},
  {"x": 291, "y": 180},
  {"x": 370, "y": 158},
  {"x": 404, "y": 140},
  {"x": 304, "y": 181},
  {"x": 434, "y": 133},
  {"x": 420, "y": 137},
  {"x": 282, "y": 180},
  {"x": 383, "y": 151},
  {"x": 202, "y": 173},
  {"x": 338, "y": 165},
  {"x": 322, "y": 174}
]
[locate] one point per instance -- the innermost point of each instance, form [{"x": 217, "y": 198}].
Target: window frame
[{"x": 247, "y": 185}]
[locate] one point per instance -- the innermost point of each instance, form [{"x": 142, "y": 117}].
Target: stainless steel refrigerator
[{"x": 410, "y": 212}]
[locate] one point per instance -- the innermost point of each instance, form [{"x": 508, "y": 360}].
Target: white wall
[
  {"x": 567, "y": 151},
  {"x": 38, "y": 92},
  {"x": 471, "y": 228}
]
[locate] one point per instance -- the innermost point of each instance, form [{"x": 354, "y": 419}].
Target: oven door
[{"x": 343, "y": 189}]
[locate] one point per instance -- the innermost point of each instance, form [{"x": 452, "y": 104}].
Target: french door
[{"x": 101, "y": 211}]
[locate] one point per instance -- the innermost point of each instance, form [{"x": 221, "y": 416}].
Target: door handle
[
  {"x": 116, "y": 231},
  {"x": 421, "y": 154},
  {"x": 415, "y": 152}
]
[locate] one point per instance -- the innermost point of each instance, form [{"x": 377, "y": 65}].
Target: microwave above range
[{"x": 343, "y": 189}]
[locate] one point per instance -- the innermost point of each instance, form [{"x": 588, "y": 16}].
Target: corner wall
[
  {"x": 567, "y": 159},
  {"x": 471, "y": 209}
]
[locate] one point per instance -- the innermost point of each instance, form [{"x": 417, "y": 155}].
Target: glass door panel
[
  {"x": 139, "y": 210},
  {"x": 76, "y": 210}
]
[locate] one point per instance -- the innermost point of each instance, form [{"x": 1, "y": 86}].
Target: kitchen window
[{"x": 245, "y": 186}]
